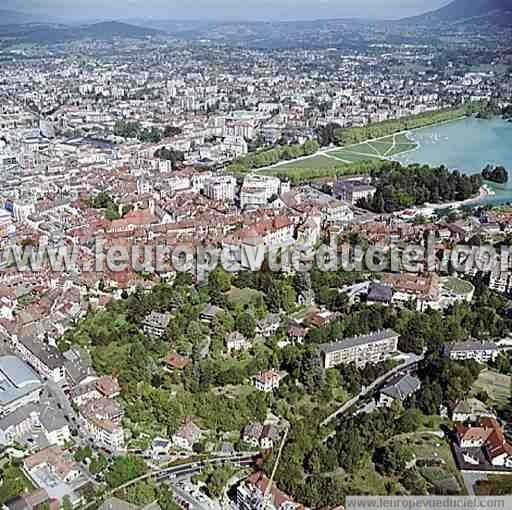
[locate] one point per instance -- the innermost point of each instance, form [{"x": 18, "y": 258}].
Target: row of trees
[
  {"x": 270, "y": 157},
  {"x": 354, "y": 135}
]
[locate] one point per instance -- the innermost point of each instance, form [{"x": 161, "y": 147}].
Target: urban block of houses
[
  {"x": 47, "y": 360},
  {"x": 262, "y": 236},
  {"x": 481, "y": 352},
  {"x": 483, "y": 441},
  {"x": 99, "y": 387},
  {"x": 101, "y": 419},
  {"x": 424, "y": 290},
  {"x": 360, "y": 350},
  {"x": 36, "y": 425},
  {"x": 78, "y": 369},
  {"x": 54, "y": 471}
]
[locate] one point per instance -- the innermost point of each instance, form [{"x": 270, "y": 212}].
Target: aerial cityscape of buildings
[{"x": 252, "y": 389}]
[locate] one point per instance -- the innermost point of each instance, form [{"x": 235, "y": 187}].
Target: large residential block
[{"x": 360, "y": 350}]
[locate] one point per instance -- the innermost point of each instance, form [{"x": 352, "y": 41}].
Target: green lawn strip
[
  {"x": 348, "y": 155},
  {"x": 319, "y": 161},
  {"x": 398, "y": 149},
  {"x": 382, "y": 147}
]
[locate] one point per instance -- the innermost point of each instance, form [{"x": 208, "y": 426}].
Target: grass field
[
  {"x": 497, "y": 386},
  {"x": 402, "y": 147},
  {"x": 345, "y": 155},
  {"x": 337, "y": 161},
  {"x": 375, "y": 149},
  {"x": 319, "y": 161},
  {"x": 434, "y": 474},
  {"x": 242, "y": 296}
]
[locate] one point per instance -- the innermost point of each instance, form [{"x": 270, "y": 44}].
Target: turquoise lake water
[{"x": 467, "y": 145}]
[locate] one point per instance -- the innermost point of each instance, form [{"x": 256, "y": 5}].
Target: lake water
[{"x": 467, "y": 145}]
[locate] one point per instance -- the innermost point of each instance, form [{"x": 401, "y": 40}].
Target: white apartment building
[
  {"x": 22, "y": 210},
  {"x": 258, "y": 189},
  {"x": 481, "y": 352},
  {"x": 101, "y": 419},
  {"x": 6, "y": 224},
  {"x": 336, "y": 213},
  {"x": 222, "y": 188},
  {"x": 253, "y": 197},
  {"x": 360, "y": 350}
]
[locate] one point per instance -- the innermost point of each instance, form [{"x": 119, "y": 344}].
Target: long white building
[{"x": 360, "y": 350}]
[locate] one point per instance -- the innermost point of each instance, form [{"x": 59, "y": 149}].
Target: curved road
[
  {"x": 409, "y": 362},
  {"x": 160, "y": 475}
]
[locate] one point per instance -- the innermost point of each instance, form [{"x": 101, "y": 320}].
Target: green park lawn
[
  {"x": 346, "y": 155},
  {"x": 381, "y": 148},
  {"x": 337, "y": 161},
  {"x": 319, "y": 161}
]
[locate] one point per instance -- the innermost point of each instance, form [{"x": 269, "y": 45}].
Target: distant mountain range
[
  {"x": 476, "y": 11},
  {"x": 28, "y": 28},
  {"x": 8, "y": 17},
  {"x": 50, "y": 33}
]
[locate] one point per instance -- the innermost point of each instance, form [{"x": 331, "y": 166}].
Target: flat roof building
[{"x": 19, "y": 384}]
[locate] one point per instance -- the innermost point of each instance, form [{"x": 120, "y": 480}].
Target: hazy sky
[{"x": 224, "y": 9}]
